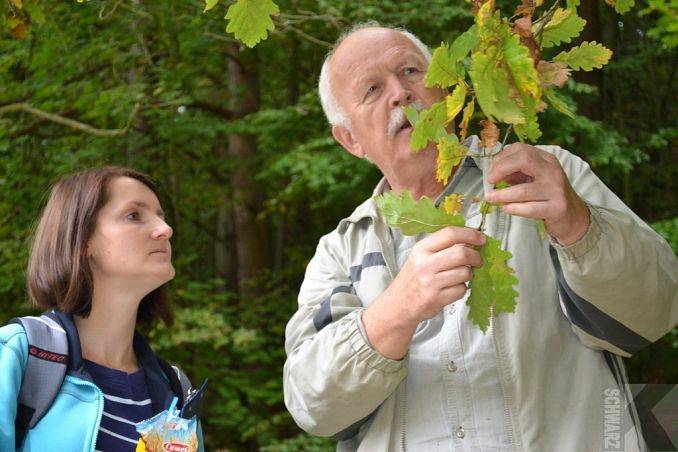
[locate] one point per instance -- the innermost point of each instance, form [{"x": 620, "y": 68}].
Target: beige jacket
[{"x": 580, "y": 309}]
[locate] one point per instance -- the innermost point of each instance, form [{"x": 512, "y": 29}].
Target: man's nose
[{"x": 400, "y": 94}]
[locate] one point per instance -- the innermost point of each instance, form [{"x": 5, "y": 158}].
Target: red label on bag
[{"x": 175, "y": 447}]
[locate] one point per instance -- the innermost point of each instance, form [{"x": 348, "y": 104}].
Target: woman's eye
[{"x": 134, "y": 216}]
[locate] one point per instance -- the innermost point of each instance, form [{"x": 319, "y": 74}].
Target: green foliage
[
  {"x": 492, "y": 285},
  {"x": 428, "y": 124},
  {"x": 587, "y": 56},
  {"x": 414, "y": 217},
  {"x": 563, "y": 26},
  {"x": 250, "y": 20},
  {"x": 450, "y": 154},
  {"x": 446, "y": 68}
]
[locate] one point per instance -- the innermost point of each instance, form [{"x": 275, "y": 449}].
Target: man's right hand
[{"x": 434, "y": 275}]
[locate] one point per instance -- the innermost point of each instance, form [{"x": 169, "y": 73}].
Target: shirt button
[
  {"x": 459, "y": 432},
  {"x": 451, "y": 309},
  {"x": 451, "y": 366}
]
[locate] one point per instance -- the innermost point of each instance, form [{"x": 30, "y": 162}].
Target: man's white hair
[{"x": 335, "y": 115}]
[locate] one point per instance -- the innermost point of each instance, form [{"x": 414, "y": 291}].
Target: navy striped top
[{"x": 126, "y": 402}]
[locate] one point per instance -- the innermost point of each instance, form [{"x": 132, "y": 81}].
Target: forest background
[{"x": 250, "y": 175}]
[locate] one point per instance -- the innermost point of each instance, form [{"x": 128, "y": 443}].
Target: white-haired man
[{"x": 380, "y": 354}]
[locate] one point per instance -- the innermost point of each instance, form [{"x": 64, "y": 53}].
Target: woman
[{"x": 100, "y": 257}]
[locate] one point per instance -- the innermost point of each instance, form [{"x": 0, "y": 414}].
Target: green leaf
[
  {"x": 558, "y": 103},
  {"x": 444, "y": 70},
  {"x": 414, "y": 217},
  {"x": 34, "y": 12},
  {"x": 572, "y": 4},
  {"x": 428, "y": 126},
  {"x": 541, "y": 228},
  {"x": 521, "y": 66},
  {"x": 209, "y": 4},
  {"x": 530, "y": 128},
  {"x": 492, "y": 285},
  {"x": 563, "y": 26},
  {"x": 250, "y": 20},
  {"x": 450, "y": 154},
  {"x": 490, "y": 82},
  {"x": 587, "y": 56}
]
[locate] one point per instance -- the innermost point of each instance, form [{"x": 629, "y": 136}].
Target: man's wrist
[{"x": 575, "y": 229}]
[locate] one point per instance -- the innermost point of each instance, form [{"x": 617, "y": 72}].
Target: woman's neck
[{"x": 106, "y": 335}]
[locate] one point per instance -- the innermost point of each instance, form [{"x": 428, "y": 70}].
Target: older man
[{"x": 381, "y": 354}]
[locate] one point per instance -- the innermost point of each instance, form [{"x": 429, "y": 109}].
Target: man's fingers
[
  {"x": 523, "y": 159},
  {"x": 534, "y": 209},
  {"x": 449, "y": 236},
  {"x": 449, "y": 278},
  {"x": 456, "y": 256},
  {"x": 518, "y": 193}
]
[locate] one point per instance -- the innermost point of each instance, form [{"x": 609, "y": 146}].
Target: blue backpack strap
[{"x": 45, "y": 370}]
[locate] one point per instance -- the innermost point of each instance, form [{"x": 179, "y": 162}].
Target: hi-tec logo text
[{"x": 47, "y": 355}]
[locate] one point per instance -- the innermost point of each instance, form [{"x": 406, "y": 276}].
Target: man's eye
[
  {"x": 410, "y": 70},
  {"x": 370, "y": 90}
]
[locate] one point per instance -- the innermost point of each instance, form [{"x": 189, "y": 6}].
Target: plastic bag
[{"x": 168, "y": 432}]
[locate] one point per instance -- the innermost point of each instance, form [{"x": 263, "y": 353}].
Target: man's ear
[{"x": 347, "y": 141}]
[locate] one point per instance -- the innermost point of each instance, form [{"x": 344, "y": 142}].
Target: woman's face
[{"x": 130, "y": 244}]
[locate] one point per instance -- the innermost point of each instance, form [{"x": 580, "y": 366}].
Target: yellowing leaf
[
  {"x": 492, "y": 285},
  {"x": 466, "y": 118},
  {"x": 563, "y": 26},
  {"x": 414, "y": 217},
  {"x": 209, "y": 4},
  {"x": 559, "y": 104},
  {"x": 587, "y": 56},
  {"x": 250, "y": 20},
  {"x": 17, "y": 3},
  {"x": 455, "y": 101},
  {"x": 521, "y": 66},
  {"x": 485, "y": 14},
  {"x": 489, "y": 135},
  {"x": 450, "y": 153},
  {"x": 552, "y": 73},
  {"x": 453, "y": 203},
  {"x": 429, "y": 125},
  {"x": 621, "y": 6}
]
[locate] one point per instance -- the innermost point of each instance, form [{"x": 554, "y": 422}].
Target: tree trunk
[
  {"x": 251, "y": 235},
  {"x": 590, "y": 106}
]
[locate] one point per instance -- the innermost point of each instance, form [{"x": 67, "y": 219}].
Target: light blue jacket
[{"x": 72, "y": 422}]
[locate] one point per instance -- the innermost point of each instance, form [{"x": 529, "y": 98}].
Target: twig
[
  {"x": 544, "y": 20},
  {"x": 23, "y": 106},
  {"x": 485, "y": 207}
]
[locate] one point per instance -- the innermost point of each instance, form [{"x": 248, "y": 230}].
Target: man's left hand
[{"x": 539, "y": 189}]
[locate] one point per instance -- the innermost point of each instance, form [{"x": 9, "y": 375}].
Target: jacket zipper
[{"x": 100, "y": 412}]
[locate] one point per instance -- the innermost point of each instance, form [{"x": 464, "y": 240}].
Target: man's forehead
[{"x": 367, "y": 44}]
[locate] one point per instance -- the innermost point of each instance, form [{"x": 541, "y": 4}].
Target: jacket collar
[
  {"x": 368, "y": 209},
  {"x": 156, "y": 380}
]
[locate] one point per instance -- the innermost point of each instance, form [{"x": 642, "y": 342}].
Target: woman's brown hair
[{"x": 59, "y": 275}]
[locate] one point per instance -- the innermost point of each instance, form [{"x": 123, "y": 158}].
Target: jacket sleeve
[
  {"x": 333, "y": 380},
  {"x": 618, "y": 283},
  {"x": 13, "y": 357}
]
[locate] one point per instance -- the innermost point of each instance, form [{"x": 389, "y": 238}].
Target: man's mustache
[{"x": 397, "y": 117}]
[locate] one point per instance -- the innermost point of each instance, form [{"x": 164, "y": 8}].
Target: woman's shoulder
[{"x": 13, "y": 337}]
